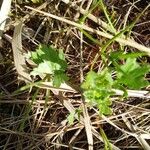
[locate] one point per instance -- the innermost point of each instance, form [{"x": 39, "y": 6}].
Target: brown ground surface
[{"x": 22, "y": 129}]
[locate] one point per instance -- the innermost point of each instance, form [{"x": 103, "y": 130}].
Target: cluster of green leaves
[
  {"x": 98, "y": 87},
  {"x": 131, "y": 74},
  {"x": 50, "y": 63}
]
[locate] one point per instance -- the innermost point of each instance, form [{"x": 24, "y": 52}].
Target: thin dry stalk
[
  {"x": 128, "y": 42},
  {"x": 5, "y": 9}
]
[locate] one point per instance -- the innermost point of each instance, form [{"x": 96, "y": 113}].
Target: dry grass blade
[
  {"x": 133, "y": 93},
  {"x": 19, "y": 59},
  {"x": 63, "y": 87},
  {"x": 143, "y": 142},
  {"x": 139, "y": 138},
  {"x": 95, "y": 19},
  {"x": 88, "y": 127},
  {"x": 27, "y": 17},
  {"x": 136, "y": 135},
  {"x": 68, "y": 105},
  {"x": 128, "y": 41},
  {"x": 75, "y": 135},
  {"x": 96, "y": 134},
  {"x": 5, "y": 8}
]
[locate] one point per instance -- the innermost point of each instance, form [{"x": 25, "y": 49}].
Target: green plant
[
  {"x": 131, "y": 74},
  {"x": 106, "y": 141},
  {"x": 71, "y": 117},
  {"x": 98, "y": 87},
  {"x": 50, "y": 64}
]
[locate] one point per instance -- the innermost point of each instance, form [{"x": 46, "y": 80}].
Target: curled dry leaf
[{"x": 19, "y": 59}]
